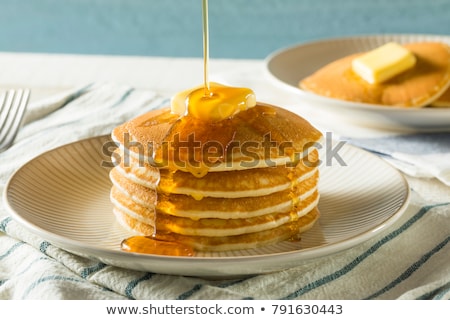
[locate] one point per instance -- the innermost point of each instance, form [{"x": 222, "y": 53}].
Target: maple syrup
[
  {"x": 151, "y": 245},
  {"x": 205, "y": 47}
]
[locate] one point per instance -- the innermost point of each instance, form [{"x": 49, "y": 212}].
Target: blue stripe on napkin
[
  {"x": 439, "y": 293},
  {"x": 350, "y": 266},
  {"x": 11, "y": 250},
  {"x": 133, "y": 284},
  {"x": 42, "y": 280},
  {"x": 409, "y": 271}
]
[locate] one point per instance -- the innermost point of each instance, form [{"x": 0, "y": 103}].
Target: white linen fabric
[
  {"x": 424, "y": 155},
  {"x": 407, "y": 261}
]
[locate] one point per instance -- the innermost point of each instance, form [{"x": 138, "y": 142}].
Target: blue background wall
[{"x": 238, "y": 28}]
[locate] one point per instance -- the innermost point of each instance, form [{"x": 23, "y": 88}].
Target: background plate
[
  {"x": 63, "y": 196},
  {"x": 288, "y": 66}
]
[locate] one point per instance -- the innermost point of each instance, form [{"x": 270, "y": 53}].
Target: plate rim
[
  {"x": 303, "y": 255},
  {"x": 354, "y": 105}
]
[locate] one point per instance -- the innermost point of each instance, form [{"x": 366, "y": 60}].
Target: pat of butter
[
  {"x": 383, "y": 63},
  {"x": 219, "y": 103}
]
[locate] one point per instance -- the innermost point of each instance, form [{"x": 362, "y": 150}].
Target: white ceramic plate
[
  {"x": 63, "y": 196},
  {"x": 288, "y": 66}
]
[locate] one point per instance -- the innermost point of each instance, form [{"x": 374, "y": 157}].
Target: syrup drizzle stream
[{"x": 205, "y": 46}]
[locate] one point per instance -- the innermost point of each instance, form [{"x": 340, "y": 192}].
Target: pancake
[
  {"x": 288, "y": 231},
  {"x": 262, "y": 136},
  {"x": 443, "y": 101},
  {"x": 211, "y": 226},
  {"x": 234, "y": 184},
  {"x": 416, "y": 87},
  {"x": 256, "y": 183}
]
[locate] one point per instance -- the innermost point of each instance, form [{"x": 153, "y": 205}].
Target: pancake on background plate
[
  {"x": 417, "y": 87},
  {"x": 443, "y": 101}
]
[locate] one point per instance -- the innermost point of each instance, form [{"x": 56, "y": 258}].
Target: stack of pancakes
[
  {"x": 426, "y": 84},
  {"x": 239, "y": 183}
]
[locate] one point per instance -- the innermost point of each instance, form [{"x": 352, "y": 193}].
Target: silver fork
[{"x": 12, "y": 109}]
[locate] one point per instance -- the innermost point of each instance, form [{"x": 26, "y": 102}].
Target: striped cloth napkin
[
  {"x": 407, "y": 261},
  {"x": 425, "y": 155}
]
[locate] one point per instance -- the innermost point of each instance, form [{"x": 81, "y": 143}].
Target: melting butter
[
  {"x": 217, "y": 103},
  {"x": 383, "y": 63}
]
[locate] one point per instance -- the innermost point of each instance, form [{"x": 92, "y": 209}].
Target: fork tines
[{"x": 12, "y": 109}]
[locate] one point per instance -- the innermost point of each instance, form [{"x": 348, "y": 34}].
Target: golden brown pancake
[
  {"x": 287, "y": 231},
  {"x": 416, "y": 87},
  {"x": 241, "y": 140},
  {"x": 443, "y": 101},
  {"x": 260, "y": 181},
  {"x": 211, "y": 226},
  {"x": 256, "y": 184}
]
